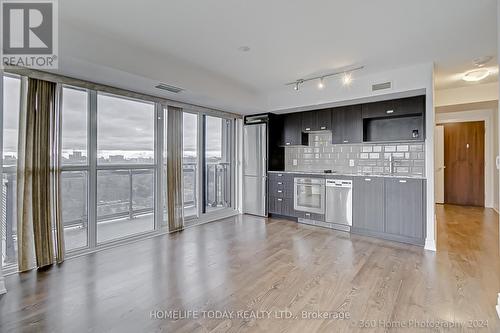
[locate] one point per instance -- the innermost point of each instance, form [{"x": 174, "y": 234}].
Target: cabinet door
[
  {"x": 394, "y": 108},
  {"x": 309, "y": 121},
  {"x": 324, "y": 119},
  {"x": 368, "y": 204},
  {"x": 347, "y": 125},
  {"x": 353, "y": 124},
  {"x": 292, "y": 130},
  {"x": 337, "y": 125},
  {"x": 404, "y": 207}
]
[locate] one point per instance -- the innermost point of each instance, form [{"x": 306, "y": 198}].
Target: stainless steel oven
[{"x": 309, "y": 195}]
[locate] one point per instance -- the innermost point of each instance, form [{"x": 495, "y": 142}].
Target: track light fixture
[{"x": 346, "y": 78}]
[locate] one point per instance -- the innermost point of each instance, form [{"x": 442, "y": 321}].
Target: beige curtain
[
  {"x": 40, "y": 229},
  {"x": 174, "y": 169}
]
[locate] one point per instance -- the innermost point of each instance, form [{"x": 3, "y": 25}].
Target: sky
[{"x": 124, "y": 126}]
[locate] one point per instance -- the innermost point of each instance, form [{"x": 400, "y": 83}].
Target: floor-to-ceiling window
[
  {"x": 218, "y": 166},
  {"x": 75, "y": 166},
  {"x": 10, "y": 129},
  {"x": 190, "y": 164},
  {"x": 126, "y": 167},
  {"x": 113, "y": 161}
]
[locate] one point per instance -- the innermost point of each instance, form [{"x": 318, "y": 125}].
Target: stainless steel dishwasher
[{"x": 339, "y": 203}]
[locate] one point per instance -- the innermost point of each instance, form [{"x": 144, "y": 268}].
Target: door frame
[{"x": 486, "y": 115}]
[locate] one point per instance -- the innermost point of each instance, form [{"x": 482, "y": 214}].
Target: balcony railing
[{"x": 129, "y": 195}]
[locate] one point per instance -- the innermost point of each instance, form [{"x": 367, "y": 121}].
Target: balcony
[{"x": 125, "y": 203}]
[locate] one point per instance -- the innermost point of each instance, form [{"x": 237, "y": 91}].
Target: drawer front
[
  {"x": 279, "y": 177},
  {"x": 280, "y": 189},
  {"x": 281, "y": 206}
]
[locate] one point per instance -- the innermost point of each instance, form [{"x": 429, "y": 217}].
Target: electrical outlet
[
  {"x": 295, "y": 162},
  {"x": 351, "y": 163}
]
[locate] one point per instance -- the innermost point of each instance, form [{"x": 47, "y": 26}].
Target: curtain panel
[
  {"x": 40, "y": 230},
  {"x": 174, "y": 169}
]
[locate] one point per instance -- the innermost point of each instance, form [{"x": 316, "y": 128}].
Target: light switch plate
[
  {"x": 295, "y": 162},
  {"x": 351, "y": 163}
]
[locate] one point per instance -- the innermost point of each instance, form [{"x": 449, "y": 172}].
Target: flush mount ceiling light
[
  {"x": 346, "y": 79},
  {"x": 244, "y": 48},
  {"x": 476, "y": 75}
]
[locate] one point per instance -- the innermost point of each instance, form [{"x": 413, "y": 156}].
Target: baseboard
[{"x": 430, "y": 245}]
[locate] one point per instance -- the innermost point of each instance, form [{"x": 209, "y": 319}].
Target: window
[
  {"x": 74, "y": 126},
  {"x": 8, "y": 217},
  {"x": 125, "y": 130},
  {"x": 217, "y": 163},
  {"x": 190, "y": 164},
  {"x": 125, "y": 188},
  {"x": 74, "y": 182}
]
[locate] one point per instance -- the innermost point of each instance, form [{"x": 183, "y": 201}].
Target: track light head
[
  {"x": 347, "y": 79},
  {"x": 321, "y": 83}
]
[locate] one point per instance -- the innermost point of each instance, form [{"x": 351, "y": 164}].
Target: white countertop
[{"x": 335, "y": 174}]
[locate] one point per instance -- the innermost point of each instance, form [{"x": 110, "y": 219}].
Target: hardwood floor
[{"x": 250, "y": 263}]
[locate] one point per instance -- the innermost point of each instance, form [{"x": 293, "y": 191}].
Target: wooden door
[{"x": 464, "y": 163}]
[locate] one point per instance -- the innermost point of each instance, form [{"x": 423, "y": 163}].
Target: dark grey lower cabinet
[
  {"x": 368, "y": 204},
  {"x": 390, "y": 208},
  {"x": 404, "y": 208}
]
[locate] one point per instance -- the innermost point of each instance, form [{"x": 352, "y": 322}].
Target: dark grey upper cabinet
[
  {"x": 309, "y": 121},
  {"x": 292, "y": 130},
  {"x": 324, "y": 119},
  {"x": 368, "y": 204},
  {"x": 347, "y": 124},
  {"x": 395, "y": 108},
  {"x": 404, "y": 207},
  {"x": 319, "y": 120}
]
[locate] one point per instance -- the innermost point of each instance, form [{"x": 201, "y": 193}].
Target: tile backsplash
[{"x": 321, "y": 154}]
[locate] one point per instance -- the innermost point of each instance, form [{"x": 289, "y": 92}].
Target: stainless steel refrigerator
[{"x": 255, "y": 169}]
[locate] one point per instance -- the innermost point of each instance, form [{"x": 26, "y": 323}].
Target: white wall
[
  {"x": 491, "y": 147},
  {"x": 465, "y": 95}
]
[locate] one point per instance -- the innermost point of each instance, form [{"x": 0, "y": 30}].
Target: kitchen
[{"x": 357, "y": 168}]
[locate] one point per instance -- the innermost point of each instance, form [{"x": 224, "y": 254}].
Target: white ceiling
[{"x": 289, "y": 39}]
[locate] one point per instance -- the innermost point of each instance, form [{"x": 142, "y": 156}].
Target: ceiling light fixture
[
  {"x": 476, "y": 75},
  {"x": 321, "y": 84},
  {"x": 297, "y": 84},
  {"x": 347, "y": 78}
]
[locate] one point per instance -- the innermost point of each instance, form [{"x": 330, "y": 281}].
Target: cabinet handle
[
  {"x": 308, "y": 129},
  {"x": 346, "y": 141},
  {"x": 288, "y": 143},
  {"x": 389, "y": 111},
  {"x": 280, "y": 183},
  {"x": 280, "y": 175},
  {"x": 323, "y": 127},
  {"x": 280, "y": 191},
  {"x": 308, "y": 215},
  {"x": 368, "y": 179},
  {"x": 402, "y": 181},
  {"x": 280, "y": 199}
]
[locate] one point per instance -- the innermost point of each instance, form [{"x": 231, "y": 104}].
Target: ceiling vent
[
  {"x": 381, "y": 86},
  {"x": 169, "y": 88}
]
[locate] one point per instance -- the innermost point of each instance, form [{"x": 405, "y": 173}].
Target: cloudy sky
[{"x": 124, "y": 127}]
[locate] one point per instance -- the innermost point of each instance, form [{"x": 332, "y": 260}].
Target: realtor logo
[{"x": 29, "y": 37}]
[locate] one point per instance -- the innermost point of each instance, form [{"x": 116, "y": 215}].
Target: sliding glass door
[
  {"x": 218, "y": 166},
  {"x": 126, "y": 167}
]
